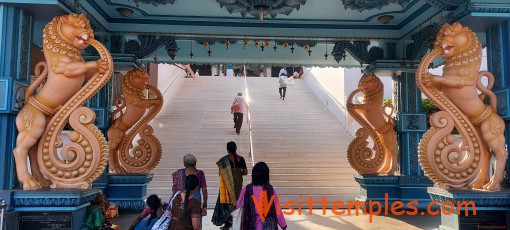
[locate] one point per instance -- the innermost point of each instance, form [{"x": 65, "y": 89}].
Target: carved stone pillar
[
  {"x": 411, "y": 124},
  {"x": 15, "y": 34},
  {"x": 498, "y": 62}
]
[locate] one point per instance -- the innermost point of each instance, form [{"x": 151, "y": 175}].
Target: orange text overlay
[{"x": 264, "y": 203}]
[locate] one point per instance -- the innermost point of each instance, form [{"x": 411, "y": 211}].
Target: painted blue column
[
  {"x": 15, "y": 44},
  {"x": 498, "y": 62},
  {"x": 411, "y": 124}
]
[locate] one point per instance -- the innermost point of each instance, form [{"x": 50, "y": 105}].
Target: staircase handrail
[
  {"x": 249, "y": 119},
  {"x": 178, "y": 76}
]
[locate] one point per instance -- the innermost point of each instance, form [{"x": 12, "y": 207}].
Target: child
[
  {"x": 96, "y": 213},
  {"x": 149, "y": 215}
]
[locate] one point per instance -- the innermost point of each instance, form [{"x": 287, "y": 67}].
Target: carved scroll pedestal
[
  {"x": 48, "y": 208},
  {"x": 128, "y": 191},
  {"x": 387, "y": 189},
  {"x": 492, "y": 209}
]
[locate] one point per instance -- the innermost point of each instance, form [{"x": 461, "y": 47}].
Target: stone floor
[{"x": 329, "y": 221}]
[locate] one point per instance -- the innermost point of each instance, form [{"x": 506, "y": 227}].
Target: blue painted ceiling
[
  {"x": 317, "y": 18},
  {"x": 317, "y": 22}
]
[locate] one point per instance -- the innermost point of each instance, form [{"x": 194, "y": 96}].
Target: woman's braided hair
[{"x": 192, "y": 182}]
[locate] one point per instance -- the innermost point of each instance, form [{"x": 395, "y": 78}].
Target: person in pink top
[{"x": 251, "y": 219}]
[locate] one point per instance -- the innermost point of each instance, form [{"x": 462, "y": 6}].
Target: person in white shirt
[
  {"x": 237, "y": 108},
  {"x": 283, "y": 84}
]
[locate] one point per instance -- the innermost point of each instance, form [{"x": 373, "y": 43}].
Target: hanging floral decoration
[
  {"x": 267, "y": 43},
  {"x": 206, "y": 45},
  {"x": 286, "y": 45},
  {"x": 256, "y": 43},
  {"x": 246, "y": 42}
]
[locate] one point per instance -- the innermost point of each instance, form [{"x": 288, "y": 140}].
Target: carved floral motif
[{"x": 361, "y": 5}]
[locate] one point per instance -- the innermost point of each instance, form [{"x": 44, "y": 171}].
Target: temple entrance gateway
[{"x": 304, "y": 139}]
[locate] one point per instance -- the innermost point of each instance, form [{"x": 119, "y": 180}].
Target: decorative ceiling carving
[
  {"x": 423, "y": 40},
  {"x": 148, "y": 45},
  {"x": 359, "y": 50},
  {"x": 361, "y": 5},
  {"x": 155, "y": 2},
  {"x": 265, "y": 7},
  {"x": 446, "y": 4}
]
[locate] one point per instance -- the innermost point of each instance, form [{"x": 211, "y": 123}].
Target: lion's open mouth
[
  {"x": 82, "y": 39},
  {"x": 447, "y": 48}
]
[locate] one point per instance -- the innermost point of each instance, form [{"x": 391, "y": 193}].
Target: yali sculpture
[
  {"x": 134, "y": 112},
  {"x": 378, "y": 125},
  {"x": 454, "y": 162},
  {"x": 58, "y": 102}
]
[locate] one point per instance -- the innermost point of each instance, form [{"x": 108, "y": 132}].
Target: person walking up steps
[
  {"x": 237, "y": 109},
  {"x": 283, "y": 83}
]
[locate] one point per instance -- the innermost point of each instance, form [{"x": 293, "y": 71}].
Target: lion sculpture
[
  {"x": 60, "y": 93},
  {"x": 376, "y": 124},
  {"x": 144, "y": 157},
  {"x": 442, "y": 158}
]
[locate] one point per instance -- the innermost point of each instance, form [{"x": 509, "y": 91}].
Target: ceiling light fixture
[
  {"x": 191, "y": 48},
  {"x": 292, "y": 46},
  {"x": 125, "y": 12},
  {"x": 209, "y": 52},
  {"x": 326, "y": 54},
  {"x": 309, "y": 48},
  {"x": 263, "y": 44},
  {"x": 385, "y": 19}
]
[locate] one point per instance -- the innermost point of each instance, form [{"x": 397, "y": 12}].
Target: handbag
[
  {"x": 164, "y": 220},
  {"x": 237, "y": 218},
  {"x": 235, "y": 107}
]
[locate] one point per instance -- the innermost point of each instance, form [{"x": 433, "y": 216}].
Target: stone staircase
[{"x": 303, "y": 144}]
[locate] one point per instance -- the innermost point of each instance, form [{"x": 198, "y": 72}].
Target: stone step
[
  {"x": 348, "y": 182},
  {"x": 272, "y": 164},
  {"x": 274, "y": 170},
  {"x": 304, "y": 191},
  {"x": 306, "y": 152},
  {"x": 288, "y": 177},
  {"x": 287, "y": 201}
]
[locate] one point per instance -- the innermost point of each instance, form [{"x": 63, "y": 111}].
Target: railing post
[{"x": 2, "y": 213}]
